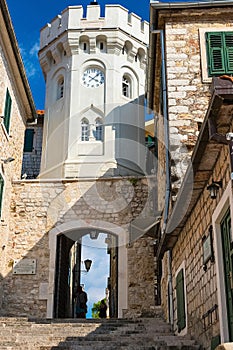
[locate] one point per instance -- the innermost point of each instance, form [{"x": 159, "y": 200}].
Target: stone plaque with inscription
[{"x": 24, "y": 267}]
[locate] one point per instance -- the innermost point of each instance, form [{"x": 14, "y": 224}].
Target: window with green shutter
[
  {"x": 220, "y": 53},
  {"x": 7, "y": 111},
  {"x": 180, "y": 295},
  {"x": 28, "y": 140},
  {"x": 1, "y": 192}
]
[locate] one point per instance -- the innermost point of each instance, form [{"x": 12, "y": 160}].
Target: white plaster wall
[{"x": 64, "y": 154}]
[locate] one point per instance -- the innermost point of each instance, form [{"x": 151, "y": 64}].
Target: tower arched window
[
  {"x": 98, "y": 130},
  {"x": 126, "y": 86},
  {"x": 86, "y": 47},
  {"x": 85, "y": 130},
  {"x": 60, "y": 88}
]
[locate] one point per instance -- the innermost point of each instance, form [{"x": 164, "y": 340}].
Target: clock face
[{"x": 93, "y": 77}]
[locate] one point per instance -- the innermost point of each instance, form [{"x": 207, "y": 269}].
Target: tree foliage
[{"x": 96, "y": 309}]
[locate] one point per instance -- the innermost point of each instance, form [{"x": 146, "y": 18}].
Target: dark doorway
[
  {"x": 69, "y": 273},
  {"x": 227, "y": 246},
  {"x": 62, "y": 288}
]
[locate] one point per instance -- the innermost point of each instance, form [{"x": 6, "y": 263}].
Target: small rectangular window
[
  {"x": 28, "y": 140},
  {"x": 180, "y": 295},
  {"x": 1, "y": 192},
  {"x": 219, "y": 53},
  {"x": 7, "y": 111}
]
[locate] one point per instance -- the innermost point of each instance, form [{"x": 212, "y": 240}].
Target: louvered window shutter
[
  {"x": 181, "y": 317},
  {"x": 1, "y": 192},
  {"x": 215, "y": 54},
  {"x": 28, "y": 141},
  {"x": 7, "y": 111},
  {"x": 229, "y": 52}
]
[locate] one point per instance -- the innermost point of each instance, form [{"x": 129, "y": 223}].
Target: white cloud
[
  {"x": 30, "y": 59},
  {"x": 34, "y": 50}
]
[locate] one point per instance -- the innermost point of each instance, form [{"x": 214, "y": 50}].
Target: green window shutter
[
  {"x": 28, "y": 140},
  {"x": 181, "y": 316},
  {"x": 228, "y": 36},
  {"x": 215, "y": 341},
  {"x": 1, "y": 191},
  {"x": 7, "y": 111},
  {"x": 215, "y": 53}
]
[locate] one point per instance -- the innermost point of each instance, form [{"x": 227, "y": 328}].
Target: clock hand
[{"x": 94, "y": 78}]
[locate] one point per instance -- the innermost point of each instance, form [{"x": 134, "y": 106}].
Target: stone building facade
[
  {"x": 67, "y": 201},
  {"x": 16, "y": 108},
  {"x": 194, "y": 235},
  {"x": 42, "y": 210},
  {"x": 186, "y": 73}
]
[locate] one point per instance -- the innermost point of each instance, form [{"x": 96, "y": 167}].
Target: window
[
  {"x": 28, "y": 140},
  {"x": 7, "y": 111},
  {"x": 126, "y": 87},
  {"x": 86, "y": 47},
  {"x": 60, "y": 88},
  {"x": 180, "y": 295},
  {"x": 98, "y": 130},
  {"x": 1, "y": 191},
  {"x": 85, "y": 130},
  {"x": 219, "y": 53}
]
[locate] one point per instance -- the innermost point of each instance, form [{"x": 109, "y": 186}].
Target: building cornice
[{"x": 189, "y": 4}]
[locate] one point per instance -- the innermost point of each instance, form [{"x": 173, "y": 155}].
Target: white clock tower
[{"x": 94, "y": 69}]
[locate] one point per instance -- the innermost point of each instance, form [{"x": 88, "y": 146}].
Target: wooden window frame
[
  {"x": 29, "y": 140},
  {"x": 219, "y": 53},
  {"x": 203, "y": 49},
  {"x": 181, "y": 300}
]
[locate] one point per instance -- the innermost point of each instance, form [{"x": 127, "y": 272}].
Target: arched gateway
[{"x": 61, "y": 241}]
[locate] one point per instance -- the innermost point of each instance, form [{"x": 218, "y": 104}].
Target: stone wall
[
  {"x": 31, "y": 160},
  {"x": 38, "y": 207},
  {"x": 11, "y": 145},
  {"x": 201, "y": 286},
  {"x": 187, "y": 80}
]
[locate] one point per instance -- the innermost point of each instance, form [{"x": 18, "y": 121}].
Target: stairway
[{"x": 92, "y": 334}]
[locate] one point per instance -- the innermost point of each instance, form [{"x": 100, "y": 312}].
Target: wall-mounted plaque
[{"x": 24, "y": 267}]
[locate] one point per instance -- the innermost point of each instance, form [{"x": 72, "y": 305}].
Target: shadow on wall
[{"x": 41, "y": 207}]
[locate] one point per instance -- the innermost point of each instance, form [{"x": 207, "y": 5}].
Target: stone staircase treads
[{"x": 91, "y": 334}]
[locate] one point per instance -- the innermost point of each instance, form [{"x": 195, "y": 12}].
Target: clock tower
[{"x": 94, "y": 68}]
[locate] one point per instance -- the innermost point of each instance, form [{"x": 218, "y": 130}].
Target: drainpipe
[{"x": 168, "y": 181}]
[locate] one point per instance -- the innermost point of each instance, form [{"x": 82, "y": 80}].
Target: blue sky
[
  {"x": 29, "y": 17},
  {"x": 95, "y": 281}
]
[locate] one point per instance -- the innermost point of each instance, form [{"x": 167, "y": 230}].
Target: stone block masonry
[
  {"x": 37, "y": 207},
  {"x": 188, "y": 83}
]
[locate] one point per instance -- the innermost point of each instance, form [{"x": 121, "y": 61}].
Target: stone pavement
[{"x": 90, "y": 334}]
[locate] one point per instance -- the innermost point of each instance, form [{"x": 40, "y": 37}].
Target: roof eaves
[
  {"x": 18, "y": 58},
  {"x": 189, "y": 4},
  {"x": 188, "y": 193}
]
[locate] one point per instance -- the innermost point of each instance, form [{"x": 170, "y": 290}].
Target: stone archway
[{"x": 72, "y": 231}]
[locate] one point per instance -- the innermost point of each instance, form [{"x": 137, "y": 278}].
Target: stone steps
[{"x": 76, "y": 334}]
